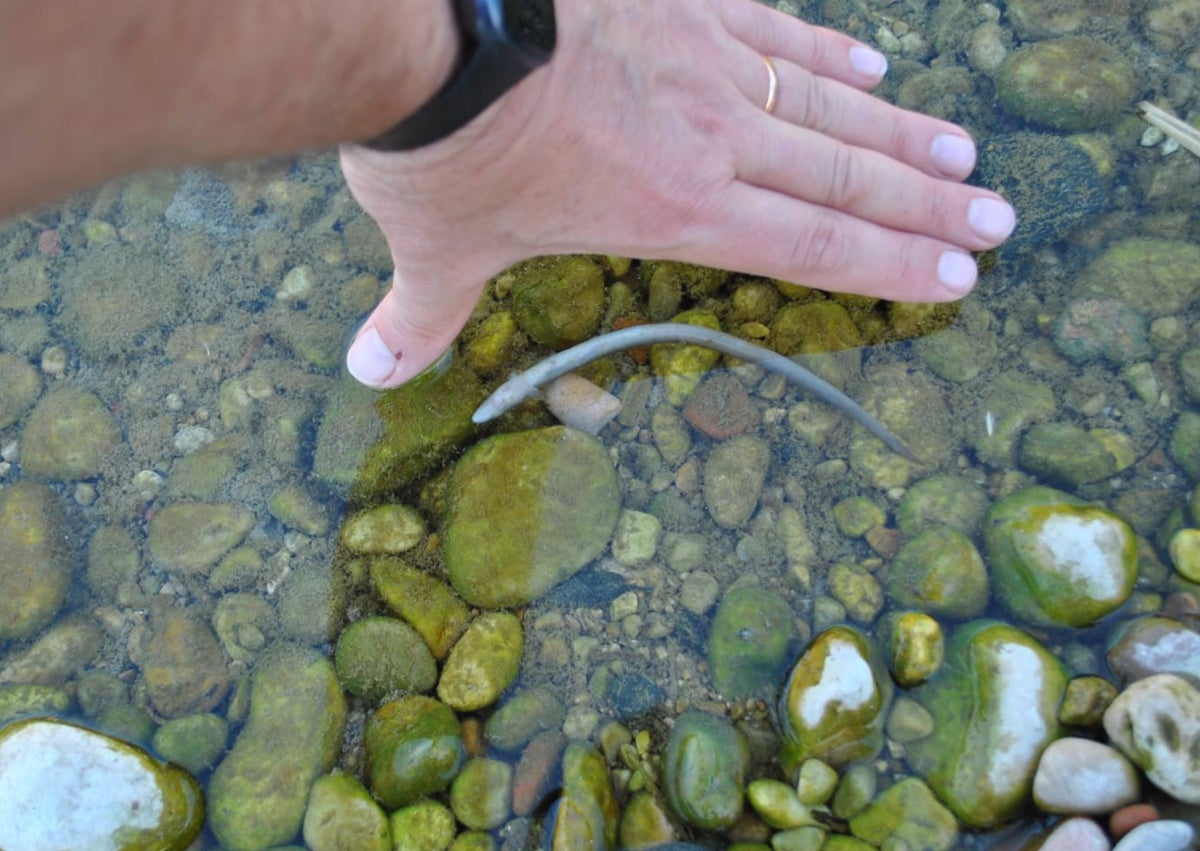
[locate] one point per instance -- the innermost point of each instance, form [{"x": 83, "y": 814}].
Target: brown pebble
[
  {"x": 534, "y": 777},
  {"x": 721, "y": 408},
  {"x": 1127, "y": 818},
  {"x": 472, "y": 737},
  {"x": 884, "y": 541}
]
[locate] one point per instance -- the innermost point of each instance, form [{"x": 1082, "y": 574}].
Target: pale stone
[
  {"x": 1077, "y": 834},
  {"x": 1082, "y": 776},
  {"x": 1156, "y": 723},
  {"x": 578, "y": 403},
  {"x": 1162, "y": 835},
  {"x": 636, "y": 538}
]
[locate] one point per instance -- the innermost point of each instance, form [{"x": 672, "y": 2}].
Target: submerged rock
[
  {"x": 1156, "y": 723},
  {"x": 525, "y": 511},
  {"x": 994, "y": 702},
  {"x": 748, "y": 642},
  {"x": 69, "y": 435},
  {"x": 704, "y": 770},
  {"x": 414, "y": 748},
  {"x": 62, "y": 786},
  {"x": 733, "y": 479},
  {"x": 834, "y": 702},
  {"x": 1057, "y": 560},
  {"x": 940, "y": 572},
  {"x": 35, "y": 562}
]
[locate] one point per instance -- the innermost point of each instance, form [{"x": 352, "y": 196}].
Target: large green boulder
[{"x": 525, "y": 511}]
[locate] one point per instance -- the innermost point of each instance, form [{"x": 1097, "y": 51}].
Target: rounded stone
[
  {"x": 1080, "y": 776},
  {"x": 704, "y": 770},
  {"x": 388, "y": 528},
  {"x": 1072, "y": 83},
  {"x": 35, "y": 561},
  {"x": 20, "y": 386},
  {"x": 1156, "y": 723},
  {"x": 192, "y": 536},
  {"x": 479, "y": 796},
  {"x": 1185, "y": 553},
  {"x": 1154, "y": 644},
  {"x": 748, "y": 642},
  {"x": 734, "y": 474},
  {"x": 194, "y": 741},
  {"x": 62, "y": 786},
  {"x": 940, "y": 572},
  {"x": 295, "y": 507},
  {"x": 558, "y": 300},
  {"x": 994, "y": 703},
  {"x": 525, "y": 511},
  {"x": 1091, "y": 329},
  {"x": 483, "y": 663},
  {"x": 1065, "y": 454},
  {"x": 414, "y": 748},
  {"x": 377, "y": 656},
  {"x": 906, "y": 815},
  {"x": 69, "y": 435},
  {"x": 834, "y": 702},
  {"x": 341, "y": 814},
  {"x": 427, "y": 825},
  {"x": 1059, "y": 561},
  {"x": 522, "y": 716},
  {"x": 258, "y": 793},
  {"x": 1155, "y": 277},
  {"x": 1161, "y": 835},
  {"x": 916, "y": 647},
  {"x": 183, "y": 670},
  {"x": 424, "y": 601}
]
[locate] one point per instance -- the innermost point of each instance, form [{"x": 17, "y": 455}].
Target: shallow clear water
[{"x": 176, "y": 300}]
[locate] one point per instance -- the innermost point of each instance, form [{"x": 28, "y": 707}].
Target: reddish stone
[
  {"x": 884, "y": 541},
  {"x": 640, "y": 354},
  {"x": 48, "y": 243},
  {"x": 1127, "y": 818},
  {"x": 721, "y": 408},
  {"x": 534, "y": 777}
]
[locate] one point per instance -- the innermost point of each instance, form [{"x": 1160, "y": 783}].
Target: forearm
[{"x": 89, "y": 90}]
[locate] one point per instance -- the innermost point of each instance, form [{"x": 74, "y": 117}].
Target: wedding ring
[{"x": 772, "y": 86}]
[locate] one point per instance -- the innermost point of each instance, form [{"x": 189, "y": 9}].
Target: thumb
[{"x": 408, "y": 331}]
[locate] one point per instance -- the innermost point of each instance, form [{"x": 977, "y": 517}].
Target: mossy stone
[
  {"x": 69, "y": 435},
  {"x": 341, "y": 814},
  {"x": 20, "y": 386},
  {"x": 940, "y": 572},
  {"x": 525, "y": 511},
  {"x": 479, "y": 795},
  {"x": 748, "y": 642},
  {"x": 425, "y": 602},
  {"x": 194, "y": 741},
  {"x": 704, "y": 770},
  {"x": 1156, "y": 277},
  {"x": 483, "y": 663},
  {"x": 812, "y": 328},
  {"x": 558, "y": 301},
  {"x": 682, "y": 365},
  {"x": 377, "y": 656},
  {"x": 414, "y": 748},
  {"x": 192, "y": 536},
  {"x": 35, "y": 560}
]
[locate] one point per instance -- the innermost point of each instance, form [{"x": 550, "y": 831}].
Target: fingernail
[
  {"x": 956, "y": 270},
  {"x": 868, "y": 62},
  {"x": 991, "y": 219},
  {"x": 952, "y": 154},
  {"x": 369, "y": 360}
]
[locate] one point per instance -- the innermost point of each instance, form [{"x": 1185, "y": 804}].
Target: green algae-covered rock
[
  {"x": 377, "y": 656},
  {"x": 812, "y": 328},
  {"x": 35, "y": 561},
  {"x": 939, "y": 572},
  {"x": 483, "y": 663},
  {"x": 23, "y": 700},
  {"x": 950, "y": 500},
  {"x": 748, "y": 642},
  {"x": 480, "y": 794},
  {"x": 62, "y": 786},
  {"x": 522, "y": 716},
  {"x": 427, "y": 603},
  {"x": 1057, "y": 560},
  {"x": 994, "y": 703},
  {"x": 69, "y": 435},
  {"x": 192, "y": 536},
  {"x": 682, "y": 366},
  {"x": 183, "y": 670},
  {"x": 915, "y": 646},
  {"x": 194, "y": 741},
  {"x": 907, "y": 814},
  {"x": 387, "y": 528},
  {"x": 1067, "y": 455},
  {"x": 295, "y": 507},
  {"x": 1072, "y": 83},
  {"x": 586, "y": 815},
  {"x": 558, "y": 301},
  {"x": 372, "y": 444},
  {"x": 704, "y": 770},
  {"x": 1015, "y": 401},
  {"x": 1156, "y": 277},
  {"x": 1184, "y": 443},
  {"x": 414, "y": 748},
  {"x": 258, "y": 793},
  {"x": 20, "y": 386},
  {"x": 525, "y": 511},
  {"x": 645, "y": 822},
  {"x": 341, "y": 814},
  {"x": 426, "y": 825},
  {"x": 834, "y": 702}
]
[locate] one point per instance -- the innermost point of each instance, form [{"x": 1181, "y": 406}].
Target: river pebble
[
  {"x": 1076, "y": 834},
  {"x": 1156, "y": 723},
  {"x": 1163, "y": 835},
  {"x": 1081, "y": 776}
]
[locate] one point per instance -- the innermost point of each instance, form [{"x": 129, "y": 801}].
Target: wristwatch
[{"x": 502, "y": 41}]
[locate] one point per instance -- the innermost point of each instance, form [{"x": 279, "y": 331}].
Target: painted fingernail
[
  {"x": 956, "y": 270},
  {"x": 952, "y": 154},
  {"x": 868, "y": 62},
  {"x": 991, "y": 219},
  {"x": 369, "y": 360}
]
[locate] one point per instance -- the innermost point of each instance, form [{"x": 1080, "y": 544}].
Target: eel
[{"x": 526, "y": 385}]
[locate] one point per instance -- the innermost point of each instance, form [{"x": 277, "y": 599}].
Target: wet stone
[
  {"x": 1081, "y": 776},
  {"x": 183, "y": 669},
  {"x": 909, "y": 815},
  {"x": 414, "y": 748},
  {"x": 1154, "y": 644},
  {"x": 1085, "y": 700},
  {"x": 296, "y": 508},
  {"x": 522, "y": 716},
  {"x": 483, "y": 663},
  {"x": 192, "y": 536},
  {"x": 633, "y": 694},
  {"x": 940, "y": 572},
  {"x": 915, "y": 647},
  {"x": 426, "y": 825},
  {"x": 1156, "y": 277},
  {"x": 377, "y": 656},
  {"x": 748, "y": 642},
  {"x": 734, "y": 474},
  {"x": 1156, "y": 723},
  {"x": 721, "y": 408},
  {"x": 857, "y": 590},
  {"x": 20, "y": 386},
  {"x": 1067, "y": 455},
  {"x": 1091, "y": 329},
  {"x": 525, "y": 511},
  {"x": 480, "y": 794},
  {"x": 66, "y": 647},
  {"x": 1162, "y": 835},
  {"x": 427, "y": 603},
  {"x": 35, "y": 561},
  {"x": 704, "y": 770},
  {"x": 341, "y": 814},
  {"x": 194, "y": 741},
  {"x": 535, "y": 773},
  {"x": 384, "y": 529},
  {"x": 62, "y": 786},
  {"x": 69, "y": 435}
]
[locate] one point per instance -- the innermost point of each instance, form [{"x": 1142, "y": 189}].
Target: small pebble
[
  {"x": 1127, "y": 818},
  {"x": 1164, "y": 835},
  {"x": 1076, "y": 834},
  {"x": 579, "y": 403}
]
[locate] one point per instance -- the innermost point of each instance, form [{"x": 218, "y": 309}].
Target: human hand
[{"x": 646, "y": 136}]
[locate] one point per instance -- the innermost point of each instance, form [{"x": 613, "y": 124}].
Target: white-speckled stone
[
  {"x": 1077, "y": 834},
  {"x": 1082, "y": 776},
  {"x": 1164, "y": 835},
  {"x": 1156, "y": 723}
]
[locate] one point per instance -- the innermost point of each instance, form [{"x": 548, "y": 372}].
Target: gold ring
[{"x": 772, "y": 86}]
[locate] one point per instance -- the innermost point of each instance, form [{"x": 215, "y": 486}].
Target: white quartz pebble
[
  {"x": 1078, "y": 776},
  {"x": 1164, "y": 835},
  {"x": 1077, "y": 834}
]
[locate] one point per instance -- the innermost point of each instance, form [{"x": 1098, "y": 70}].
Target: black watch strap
[{"x": 502, "y": 41}]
